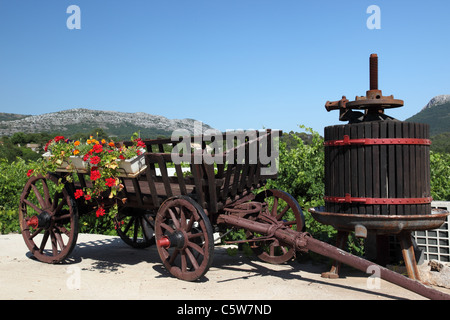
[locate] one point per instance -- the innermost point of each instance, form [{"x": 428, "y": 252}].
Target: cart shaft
[{"x": 302, "y": 241}]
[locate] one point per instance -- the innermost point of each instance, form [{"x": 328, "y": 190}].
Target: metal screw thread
[{"x": 373, "y": 71}]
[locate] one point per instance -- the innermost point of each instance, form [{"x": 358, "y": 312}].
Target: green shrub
[
  {"x": 440, "y": 176},
  {"x": 301, "y": 174}
]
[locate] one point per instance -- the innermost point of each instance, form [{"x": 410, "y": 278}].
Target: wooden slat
[
  {"x": 392, "y": 210},
  {"x": 361, "y": 169},
  {"x": 137, "y": 190},
  {"x": 376, "y": 167},
  {"x": 212, "y": 193},
  {"x": 399, "y": 165},
  {"x": 406, "y": 169},
  {"x": 151, "y": 175},
  {"x": 180, "y": 179},
  {"x": 383, "y": 174},
  {"x": 368, "y": 166},
  {"x": 198, "y": 180}
]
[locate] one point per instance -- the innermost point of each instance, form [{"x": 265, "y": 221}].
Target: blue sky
[{"x": 233, "y": 64}]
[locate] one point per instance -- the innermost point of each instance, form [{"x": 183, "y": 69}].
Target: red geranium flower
[
  {"x": 87, "y": 197},
  {"x": 30, "y": 172},
  {"x": 95, "y": 174},
  {"x": 95, "y": 160},
  {"x": 100, "y": 212},
  {"x": 78, "y": 193},
  {"x": 110, "y": 182},
  {"x": 97, "y": 148},
  {"x": 140, "y": 143}
]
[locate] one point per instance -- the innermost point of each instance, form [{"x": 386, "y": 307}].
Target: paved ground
[{"x": 103, "y": 267}]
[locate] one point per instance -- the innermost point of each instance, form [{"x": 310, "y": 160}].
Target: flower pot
[
  {"x": 77, "y": 162},
  {"x": 132, "y": 166}
]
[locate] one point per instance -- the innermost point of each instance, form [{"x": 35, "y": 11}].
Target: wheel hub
[
  {"x": 41, "y": 221},
  {"x": 174, "y": 240}
]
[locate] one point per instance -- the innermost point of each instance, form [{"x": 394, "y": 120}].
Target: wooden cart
[{"x": 171, "y": 204}]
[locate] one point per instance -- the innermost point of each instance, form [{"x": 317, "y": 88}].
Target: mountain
[
  {"x": 437, "y": 101},
  {"x": 436, "y": 113},
  {"x": 69, "y": 122},
  {"x": 11, "y": 116}
]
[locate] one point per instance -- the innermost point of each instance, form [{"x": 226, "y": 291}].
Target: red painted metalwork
[
  {"x": 33, "y": 222},
  {"x": 163, "y": 242},
  {"x": 349, "y": 199},
  {"x": 380, "y": 141}
]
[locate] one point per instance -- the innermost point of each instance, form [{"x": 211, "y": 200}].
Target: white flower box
[
  {"x": 77, "y": 162},
  {"x": 132, "y": 166}
]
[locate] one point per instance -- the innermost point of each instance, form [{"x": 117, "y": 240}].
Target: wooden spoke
[
  {"x": 284, "y": 208},
  {"x": 48, "y": 219},
  {"x": 185, "y": 224},
  {"x": 135, "y": 227}
]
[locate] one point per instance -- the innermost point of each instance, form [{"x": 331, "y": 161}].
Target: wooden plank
[
  {"x": 361, "y": 169},
  {"x": 244, "y": 172},
  {"x": 237, "y": 174},
  {"x": 383, "y": 167},
  {"x": 335, "y": 170},
  {"x": 341, "y": 165},
  {"x": 150, "y": 175},
  {"x": 399, "y": 168},
  {"x": 137, "y": 190},
  {"x": 406, "y": 169},
  {"x": 347, "y": 188},
  {"x": 392, "y": 209},
  {"x": 212, "y": 196},
  {"x": 226, "y": 184},
  {"x": 180, "y": 177},
  {"x": 165, "y": 176},
  {"x": 354, "y": 166},
  {"x": 418, "y": 168},
  {"x": 326, "y": 162},
  {"x": 376, "y": 167},
  {"x": 368, "y": 166},
  {"x": 198, "y": 177},
  {"x": 427, "y": 166}
]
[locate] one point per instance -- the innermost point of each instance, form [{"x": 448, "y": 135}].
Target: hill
[
  {"x": 436, "y": 113},
  {"x": 73, "y": 121},
  {"x": 11, "y": 116}
]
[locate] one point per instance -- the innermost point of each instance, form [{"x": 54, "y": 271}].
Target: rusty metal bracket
[
  {"x": 349, "y": 199},
  {"x": 379, "y": 141}
]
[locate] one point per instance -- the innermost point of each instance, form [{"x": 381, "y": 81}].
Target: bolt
[{"x": 373, "y": 71}]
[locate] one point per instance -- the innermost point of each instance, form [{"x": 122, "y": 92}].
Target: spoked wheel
[
  {"x": 135, "y": 227},
  {"x": 283, "y": 207},
  {"x": 184, "y": 237},
  {"x": 48, "y": 219}
]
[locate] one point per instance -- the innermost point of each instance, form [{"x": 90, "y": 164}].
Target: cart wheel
[
  {"x": 135, "y": 228},
  {"x": 48, "y": 218},
  {"x": 285, "y": 208},
  {"x": 184, "y": 237}
]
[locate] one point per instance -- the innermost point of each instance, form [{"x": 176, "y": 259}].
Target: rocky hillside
[
  {"x": 121, "y": 124},
  {"x": 436, "y": 113},
  {"x": 437, "y": 101}
]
